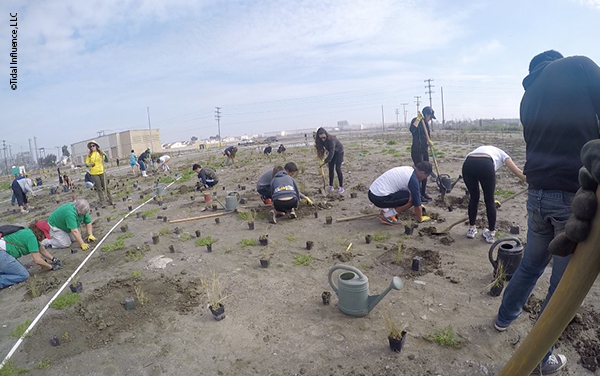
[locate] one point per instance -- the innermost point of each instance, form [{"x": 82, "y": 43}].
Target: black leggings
[
  {"x": 336, "y": 162},
  {"x": 419, "y": 156},
  {"x": 475, "y": 171}
]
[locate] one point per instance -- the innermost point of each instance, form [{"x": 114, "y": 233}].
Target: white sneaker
[
  {"x": 293, "y": 214},
  {"x": 390, "y": 213},
  {"x": 554, "y": 363},
  {"x": 24, "y": 211},
  {"x": 488, "y": 236},
  {"x": 330, "y": 188},
  {"x": 471, "y": 232},
  {"x": 273, "y": 217}
]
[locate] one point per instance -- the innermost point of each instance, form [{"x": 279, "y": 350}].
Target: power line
[{"x": 428, "y": 87}]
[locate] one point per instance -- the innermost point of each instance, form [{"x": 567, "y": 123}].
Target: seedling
[
  {"x": 398, "y": 259},
  {"x": 185, "y": 237},
  {"x": 164, "y": 231},
  {"x": 136, "y": 274},
  {"x": 290, "y": 238},
  {"x": 302, "y": 259},
  {"x": 134, "y": 255},
  {"x": 45, "y": 364},
  {"x": 381, "y": 236},
  {"x": 248, "y": 242},
  {"x": 141, "y": 295},
  {"x": 444, "y": 337},
  {"x": 213, "y": 289},
  {"x": 206, "y": 240},
  {"x": 20, "y": 329},
  {"x": 392, "y": 328},
  {"x": 66, "y": 337},
  {"x": 66, "y": 300},
  {"x": 33, "y": 288}
]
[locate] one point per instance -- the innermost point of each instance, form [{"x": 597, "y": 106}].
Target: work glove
[
  {"x": 56, "y": 267},
  {"x": 419, "y": 116},
  {"x": 91, "y": 238},
  {"x": 85, "y": 247},
  {"x": 56, "y": 261},
  {"x": 424, "y": 219},
  {"x": 430, "y": 143},
  {"x": 584, "y": 204},
  {"x": 423, "y": 209},
  {"x": 498, "y": 204},
  {"x": 321, "y": 164},
  {"x": 309, "y": 201}
]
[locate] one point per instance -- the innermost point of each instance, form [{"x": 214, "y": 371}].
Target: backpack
[{"x": 9, "y": 229}]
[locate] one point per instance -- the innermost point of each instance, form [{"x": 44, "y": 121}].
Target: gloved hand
[
  {"x": 56, "y": 261},
  {"x": 423, "y": 209},
  {"x": 321, "y": 164},
  {"x": 498, "y": 204},
  {"x": 419, "y": 116},
  {"x": 91, "y": 238},
  {"x": 85, "y": 247},
  {"x": 309, "y": 201},
  {"x": 430, "y": 143},
  {"x": 56, "y": 266},
  {"x": 425, "y": 219}
]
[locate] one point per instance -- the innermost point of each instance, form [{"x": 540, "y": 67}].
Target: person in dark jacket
[
  {"x": 285, "y": 193},
  {"x": 421, "y": 140},
  {"x": 263, "y": 185},
  {"x": 335, "y": 156},
  {"x": 230, "y": 152},
  {"x": 268, "y": 150},
  {"x": 281, "y": 149},
  {"x": 207, "y": 177},
  {"x": 559, "y": 112},
  {"x": 142, "y": 160}
]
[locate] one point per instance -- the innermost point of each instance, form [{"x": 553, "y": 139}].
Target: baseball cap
[
  {"x": 44, "y": 227},
  {"x": 426, "y": 168},
  {"x": 429, "y": 111}
]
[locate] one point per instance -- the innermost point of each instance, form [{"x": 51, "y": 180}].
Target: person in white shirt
[
  {"x": 478, "y": 168},
  {"x": 164, "y": 163},
  {"x": 398, "y": 189}
]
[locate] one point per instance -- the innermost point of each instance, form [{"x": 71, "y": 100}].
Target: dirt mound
[{"x": 584, "y": 334}]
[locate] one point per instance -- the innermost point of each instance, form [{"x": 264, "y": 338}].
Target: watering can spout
[{"x": 373, "y": 300}]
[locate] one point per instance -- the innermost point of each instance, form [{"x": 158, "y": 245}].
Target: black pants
[
  {"x": 336, "y": 162},
  {"x": 394, "y": 200},
  {"x": 285, "y": 205},
  {"x": 419, "y": 156},
  {"x": 475, "y": 171}
]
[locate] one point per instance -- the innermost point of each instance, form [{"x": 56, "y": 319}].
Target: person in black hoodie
[
  {"x": 559, "y": 113},
  {"x": 285, "y": 193},
  {"x": 419, "y": 127},
  {"x": 335, "y": 156}
]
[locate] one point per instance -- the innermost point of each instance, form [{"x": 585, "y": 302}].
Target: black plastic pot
[
  {"x": 76, "y": 288},
  {"x": 97, "y": 214},
  {"x": 397, "y": 344},
  {"x": 368, "y": 239},
  {"x": 309, "y": 245},
  {"x": 177, "y": 230},
  {"x": 496, "y": 289},
  {"x": 219, "y": 313},
  {"x": 164, "y": 219},
  {"x": 214, "y": 208},
  {"x": 264, "y": 263},
  {"x": 353, "y": 195},
  {"x": 137, "y": 215},
  {"x": 54, "y": 341},
  {"x": 316, "y": 214},
  {"x": 198, "y": 233},
  {"x": 417, "y": 263},
  {"x": 408, "y": 230},
  {"x": 144, "y": 217},
  {"x": 328, "y": 220},
  {"x": 130, "y": 208},
  {"x": 209, "y": 247},
  {"x": 129, "y": 304},
  {"x": 326, "y": 297},
  {"x": 107, "y": 219},
  {"x": 263, "y": 240},
  {"x": 192, "y": 198},
  {"x": 171, "y": 248},
  {"x": 155, "y": 239},
  {"x": 217, "y": 220},
  {"x": 250, "y": 225},
  {"x": 124, "y": 228},
  {"x": 515, "y": 230}
]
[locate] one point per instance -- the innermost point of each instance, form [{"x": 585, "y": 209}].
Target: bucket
[
  {"x": 161, "y": 189},
  {"x": 207, "y": 197}
]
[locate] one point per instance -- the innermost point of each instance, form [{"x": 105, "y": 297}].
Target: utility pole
[
  {"x": 382, "y": 119},
  {"x": 404, "y": 110},
  {"x": 218, "y": 117},
  {"x": 150, "y": 131},
  {"x": 417, "y": 97},
  {"x": 429, "y": 92},
  {"x": 37, "y": 158},
  {"x": 397, "y": 122},
  {"x": 30, "y": 151},
  {"x": 5, "y": 161},
  {"x": 442, "y": 93}
]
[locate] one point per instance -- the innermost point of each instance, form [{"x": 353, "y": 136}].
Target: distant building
[
  {"x": 119, "y": 145},
  {"x": 342, "y": 124}
]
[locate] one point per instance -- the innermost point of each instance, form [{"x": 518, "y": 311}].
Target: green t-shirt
[
  {"x": 21, "y": 243},
  {"x": 66, "y": 218}
]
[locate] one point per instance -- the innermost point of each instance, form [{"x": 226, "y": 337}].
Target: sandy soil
[{"x": 276, "y": 323}]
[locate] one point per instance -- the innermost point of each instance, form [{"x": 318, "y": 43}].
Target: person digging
[{"x": 398, "y": 189}]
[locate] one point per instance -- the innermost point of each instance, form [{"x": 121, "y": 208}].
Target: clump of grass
[
  {"x": 392, "y": 142},
  {"x": 141, "y": 295},
  {"x": 148, "y": 213},
  {"x": 117, "y": 245},
  {"x": 398, "y": 259},
  {"x": 444, "y": 337},
  {"x": 33, "y": 288},
  {"x": 302, "y": 259},
  {"x": 124, "y": 236},
  {"x": 504, "y": 192},
  {"x": 134, "y": 255},
  {"x": 44, "y": 364},
  {"x": 186, "y": 176},
  {"x": 213, "y": 290},
  {"x": 66, "y": 300},
  {"x": 20, "y": 329},
  {"x": 248, "y": 242},
  {"x": 136, "y": 274},
  {"x": 393, "y": 330},
  {"x": 381, "y": 236},
  {"x": 205, "y": 240},
  {"x": 166, "y": 179},
  {"x": 10, "y": 369},
  {"x": 291, "y": 238},
  {"x": 248, "y": 216},
  {"x": 185, "y": 237},
  {"x": 164, "y": 231},
  {"x": 66, "y": 337}
]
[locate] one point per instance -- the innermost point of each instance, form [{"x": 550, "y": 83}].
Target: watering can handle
[
  {"x": 345, "y": 267},
  {"x": 496, "y": 243},
  {"x": 238, "y": 197}
]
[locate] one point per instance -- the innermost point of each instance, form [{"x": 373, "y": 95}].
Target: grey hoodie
[{"x": 283, "y": 186}]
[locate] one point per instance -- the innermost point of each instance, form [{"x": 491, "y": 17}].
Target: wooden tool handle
[{"x": 200, "y": 217}]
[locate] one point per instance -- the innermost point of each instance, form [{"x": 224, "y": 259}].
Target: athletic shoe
[
  {"x": 499, "y": 327},
  {"x": 389, "y": 213},
  {"x": 390, "y": 221},
  {"x": 488, "y": 236},
  {"x": 292, "y": 214},
  {"x": 425, "y": 199},
  {"x": 268, "y": 201},
  {"x": 471, "y": 232},
  {"x": 426, "y": 196},
  {"x": 330, "y": 188},
  {"x": 554, "y": 364},
  {"x": 341, "y": 190},
  {"x": 30, "y": 207},
  {"x": 273, "y": 217},
  {"x": 24, "y": 211}
]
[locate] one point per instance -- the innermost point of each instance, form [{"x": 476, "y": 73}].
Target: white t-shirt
[
  {"x": 164, "y": 158},
  {"x": 392, "y": 181},
  {"x": 497, "y": 155}
]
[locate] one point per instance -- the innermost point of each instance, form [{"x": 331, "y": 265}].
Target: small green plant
[
  {"x": 398, "y": 259},
  {"x": 148, "y": 213},
  {"x": 248, "y": 242},
  {"x": 186, "y": 176},
  {"x": 380, "y": 236},
  {"x": 185, "y": 237},
  {"x": 66, "y": 337},
  {"x": 166, "y": 179},
  {"x": 117, "y": 245},
  {"x": 66, "y": 300},
  {"x": 44, "y": 364},
  {"x": 136, "y": 274},
  {"x": 444, "y": 337},
  {"x": 248, "y": 216},
  {"x": 20, "y": 329},
  {"x": 164, "y": 231},
  {"x": 205, "y": 240},
  {"x": 393, "y": 330},
  {"x": 291, "y": 238},
  {"x": 141, "y": 295},
  {"x": 124, "y": 236},
  {"x": 134, "y": 255},
  {"x": 302, "y": 259},
  {"x": 33, "y": 288},
  {"x": 504, "y": 193},
  {"x": 10, "y": 369},
  {"x": 392, "y": 142}
]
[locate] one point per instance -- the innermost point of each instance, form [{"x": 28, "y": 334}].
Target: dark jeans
[
  {"x": 336, "y": 162},
  {"x": 285, "y": 205},
  {"x": 419, "y": 156},
  {"x": 390, "y": 201},
  {"x": 264, "y": 192},
  {"x": 475, "y": 171},
  {"x": 20, "y": 196}
]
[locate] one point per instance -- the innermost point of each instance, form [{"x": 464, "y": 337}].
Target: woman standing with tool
[
  {"x": 95, "y": 161},
  {"x": 335, "y": 156},
  {"x": 419, "y": 127},
  {"x": 480, "y": 168}
]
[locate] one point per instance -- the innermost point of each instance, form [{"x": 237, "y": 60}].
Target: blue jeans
[
  {"x": 548, "y": 212},
  {"x": 11, "y": 270}
]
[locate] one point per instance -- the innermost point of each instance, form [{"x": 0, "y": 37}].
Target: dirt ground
[{"x": 276, "y": 323}]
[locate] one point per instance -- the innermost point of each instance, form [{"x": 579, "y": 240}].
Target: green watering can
[
  {"x": 353, "y": 290},
  {"x": 232, "y": 200}
]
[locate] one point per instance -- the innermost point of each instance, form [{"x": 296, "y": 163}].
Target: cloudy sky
[{"x": 97, "y": 65}]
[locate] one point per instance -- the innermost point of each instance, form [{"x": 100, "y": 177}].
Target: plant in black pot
[
  {"x": 265, "y": 258},
  {"x": 497, "y": 284},
  {"x": 206, "y": 241},
  {"x": 250, "y": 219},
  {"x": 396, "y": 336},
  {"x": 409, "y": 228},
  {"x": 263, "y": 239},
  {"x": 76, "y": 285},
  {"x": 214, "y": 295}
]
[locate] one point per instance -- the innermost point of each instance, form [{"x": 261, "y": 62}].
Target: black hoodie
[{"x": 559, "y": 113}]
